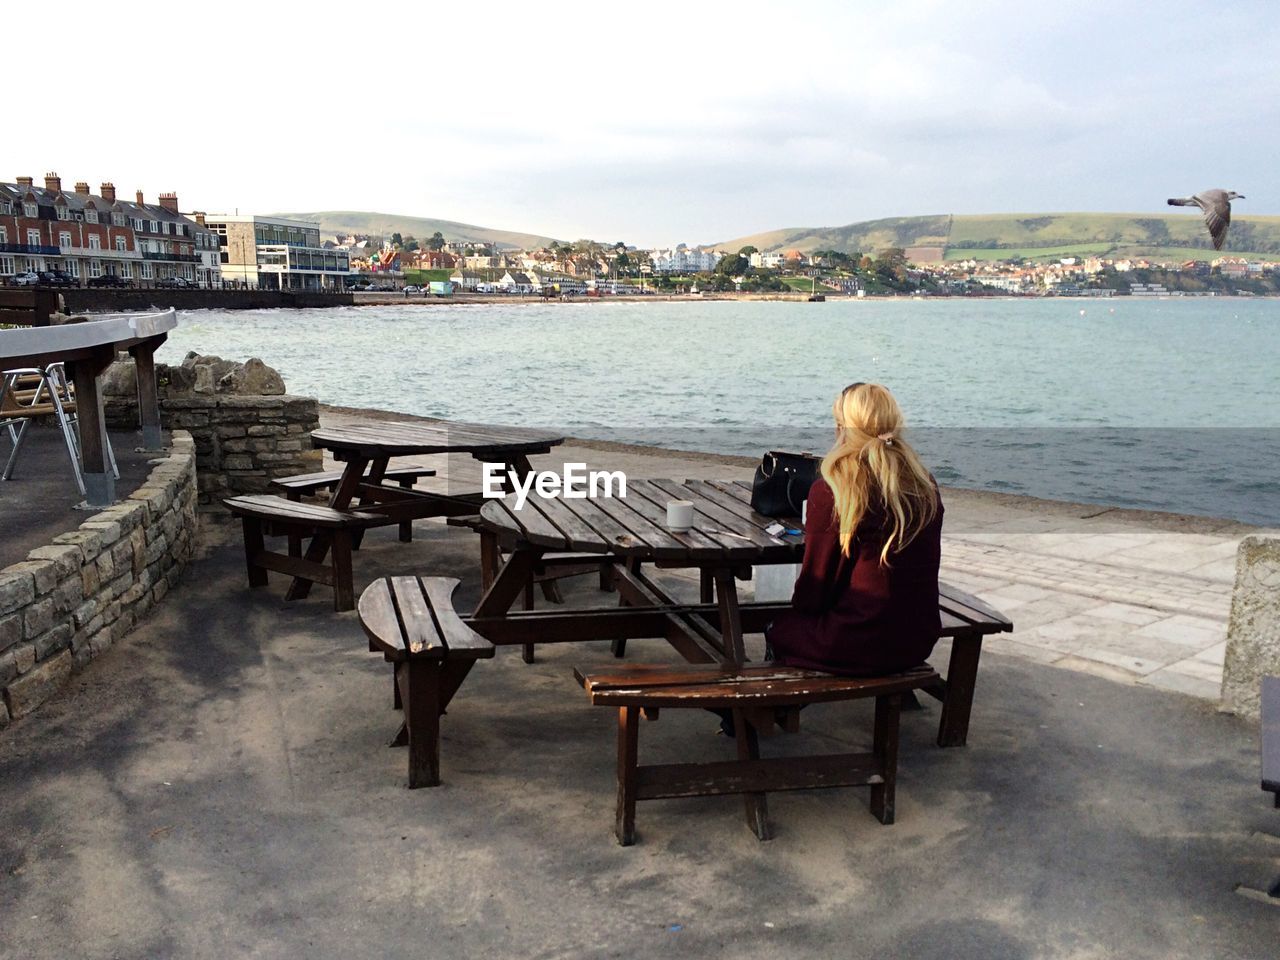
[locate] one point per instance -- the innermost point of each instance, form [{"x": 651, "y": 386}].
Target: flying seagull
[{"x": 1216, "y": 205}]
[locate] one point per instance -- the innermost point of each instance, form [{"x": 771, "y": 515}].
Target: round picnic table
[
  {"x": 366, "y": 447},
  {"x": 727, "y": 539}
]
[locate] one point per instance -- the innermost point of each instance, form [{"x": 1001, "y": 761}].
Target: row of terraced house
[
  {"x": 85, "y": 235},
  {"x": 88, "y": 235}
]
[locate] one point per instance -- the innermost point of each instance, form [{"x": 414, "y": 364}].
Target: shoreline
[
  {"x": 1168, "y": 521},
  {"x": 486, "y": 299}
]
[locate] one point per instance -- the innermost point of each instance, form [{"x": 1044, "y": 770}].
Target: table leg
[
  {"x": 377, "y": 471},
  {"x": 730, "y": 617},
  {"x": 144, "y": 358},
  {"x": 318, "y": 549},
  {"x": 99, "y": 480},
  {"x": 618, "y": 647},
  {"x": 962, "y": 676},
  {"x": 510, "y": 582}
]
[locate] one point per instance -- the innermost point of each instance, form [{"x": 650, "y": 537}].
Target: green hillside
[
  {"x": 385, "y": 224},
  {"x": 1001, "y": 236}
]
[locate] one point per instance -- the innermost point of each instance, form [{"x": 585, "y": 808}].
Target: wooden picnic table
[
  {"x": 727, "y": 539},
  {"x": 365, "y": 449}
]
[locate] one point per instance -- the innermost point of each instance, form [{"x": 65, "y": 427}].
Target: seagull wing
[{"x": 1217, "y": 214}]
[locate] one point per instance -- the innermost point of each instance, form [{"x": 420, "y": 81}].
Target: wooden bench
[
  {"x": 549, "y": 569},
  {"x": 269, "y": 515},
  {"x": 28, "y": 307},
  {"x": 758, "y": 696},
  {"x": 308, "y": 484},
  {"x": 411, "y": 620},
  {"x": 1270, "y": 745}
]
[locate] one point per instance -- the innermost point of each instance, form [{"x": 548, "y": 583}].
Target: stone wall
[
  {"x": 102, "y": 299},
  {"x": 241, "y": 443},
  {"x": 70, "y": 600},
  {"x": 1253, "y": 634},
  {"x": 246, "y": 429}
]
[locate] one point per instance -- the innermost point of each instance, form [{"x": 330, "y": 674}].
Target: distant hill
[
  {"x": 1007, "y": 235},
  {"x": 385, "y": 224}
]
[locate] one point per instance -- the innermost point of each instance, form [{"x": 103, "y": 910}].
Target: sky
[{"x": 657, "y": 123}]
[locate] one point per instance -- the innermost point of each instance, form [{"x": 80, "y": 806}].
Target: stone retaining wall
[
  {"x": 241, "y": 442},
  {"x": 247, "y": 430},
  {"x": 99, "y": 299},
  {"x": 70, "y": 600}
]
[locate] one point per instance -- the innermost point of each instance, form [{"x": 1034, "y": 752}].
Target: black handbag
[{"x": 782, "y": 482}]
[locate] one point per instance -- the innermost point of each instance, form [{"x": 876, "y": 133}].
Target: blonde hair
[{"x": 871, "y": 465}]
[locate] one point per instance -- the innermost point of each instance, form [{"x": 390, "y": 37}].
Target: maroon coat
[{"x": 851, "y": 615}]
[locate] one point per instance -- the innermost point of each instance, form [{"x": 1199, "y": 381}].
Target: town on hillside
[{"x": 57, "y": 237}]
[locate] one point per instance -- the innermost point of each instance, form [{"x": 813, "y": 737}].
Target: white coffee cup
[{"x": 679, "y": 515}]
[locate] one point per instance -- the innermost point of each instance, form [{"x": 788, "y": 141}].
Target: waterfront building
[
  {"x": 277, "y": 253},
  {"x": 88, "y": 235},
  {"x": 682, "y": 259}
]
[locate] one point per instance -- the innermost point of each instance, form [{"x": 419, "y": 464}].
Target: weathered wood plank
[{"x": 756, "y": 775}]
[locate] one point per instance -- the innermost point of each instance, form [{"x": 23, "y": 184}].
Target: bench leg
[
  {"x": 254, "y": 545},
  {"x": 300, "y": 589},
  {"x": 962, "y": 676},
  {"x": 706, "y": 586},
  {"x": 406, "y": 531},
  {"x": 757, "y": 804},
  {"x": 344, "y": 597},
  {"x": 885, "y": 749},
  {"x": 419, "y": 682},
  {"x": 526, "y": 650},
  {"x": 628, "y": 762},
  {"x": 606, "y": 577}
]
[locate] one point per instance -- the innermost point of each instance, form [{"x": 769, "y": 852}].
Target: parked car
[
  {"x": 27, "y": 278},
  {"x": 412, "y": 288},
  {"x": 57, "y": 278},
  {"x": 108, "y": 280},
  {"x": 175, "y": 283}
]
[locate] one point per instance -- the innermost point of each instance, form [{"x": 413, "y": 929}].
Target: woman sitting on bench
[{"x": 866, "y": 600}]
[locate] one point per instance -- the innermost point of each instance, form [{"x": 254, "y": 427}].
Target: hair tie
[{"x": 886, "y": 437}]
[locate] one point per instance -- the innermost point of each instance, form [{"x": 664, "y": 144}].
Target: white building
[
  {"x": 277, "y": 253},
  {"x": 682, "y": 259}
]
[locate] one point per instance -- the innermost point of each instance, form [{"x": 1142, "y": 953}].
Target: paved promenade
[
  {"x": 1132, "y": 596},
  {"x": 218, "y": 784}
]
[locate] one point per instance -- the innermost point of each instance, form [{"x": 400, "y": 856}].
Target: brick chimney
[
  {"x": 108, "y": 191},
  {"x": 169, "y": 201},
  {"x": 25, "y": 181},
  {"x": 199, "y": 215},
  {"x": 53, "y": 183},
  {"x": 141, "y": 202},
  {"x": 82, "y": 188}
]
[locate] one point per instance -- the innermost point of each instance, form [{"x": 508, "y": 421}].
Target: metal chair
[{"x": 28, "y": 393}]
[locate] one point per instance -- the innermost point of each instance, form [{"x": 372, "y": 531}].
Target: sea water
[{"x": 1160, "y": 404}]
